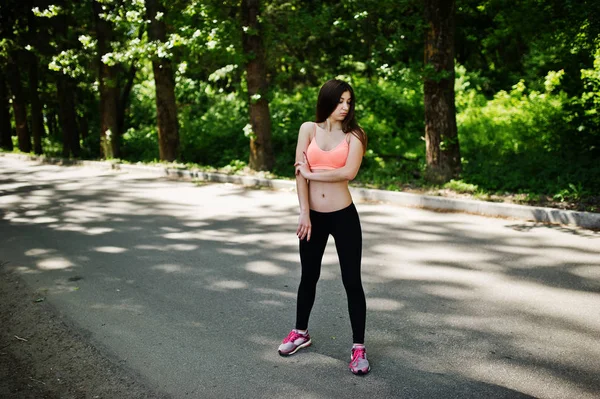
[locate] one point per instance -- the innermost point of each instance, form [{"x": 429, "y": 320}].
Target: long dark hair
[{"x": 329, "y": 98}]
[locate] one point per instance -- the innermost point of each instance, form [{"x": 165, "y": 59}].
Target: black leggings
[{"x": 344, "y": 226}]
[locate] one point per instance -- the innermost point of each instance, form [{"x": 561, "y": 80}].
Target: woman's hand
[
  {"x": 303, "y": 168},
  {"x": 304, "y": 226}
]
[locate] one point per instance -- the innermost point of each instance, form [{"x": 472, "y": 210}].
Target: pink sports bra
[{"x": 332, "y": 159}]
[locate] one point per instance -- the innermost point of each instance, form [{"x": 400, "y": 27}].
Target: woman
[{"x": 328, "y": 156}]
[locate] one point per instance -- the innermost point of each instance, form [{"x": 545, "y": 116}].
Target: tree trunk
[
  {"x": 5, "y": 128},
  {"x": 441, "y": 138},
  {"x": 19, "y": 107},
  {"x": 261, "y": 150},
  {"x": 37, "y": 118},
  {"x": 166, "y": 107},
  {"x": 109, "y": 93},
  {"x": 125, "y": 94},
  {"x": 67, "y": 115}
]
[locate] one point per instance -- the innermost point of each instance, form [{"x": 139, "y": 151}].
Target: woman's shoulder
[
  {"x": 309, "y": 125},
  {"x": 307, "y": 128}
]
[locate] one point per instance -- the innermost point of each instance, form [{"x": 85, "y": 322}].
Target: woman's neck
[{"x": 331, "y": 125}]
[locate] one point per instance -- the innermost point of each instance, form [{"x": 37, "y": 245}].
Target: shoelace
[
  {"x": 292, "y": 336},
  {"x": 357, "y": 353}
]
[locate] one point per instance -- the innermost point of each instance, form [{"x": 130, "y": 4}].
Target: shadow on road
[{"x": 205, "y": 286}]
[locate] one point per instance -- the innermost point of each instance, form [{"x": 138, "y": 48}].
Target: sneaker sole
[
  {"x": 304, "y": 345},
  {"x": 360, "y": 372}
]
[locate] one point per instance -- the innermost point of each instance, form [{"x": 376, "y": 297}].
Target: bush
[{"x": 523, "y": 141}]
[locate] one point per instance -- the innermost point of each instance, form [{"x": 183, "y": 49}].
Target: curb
[{"x": 587, "y": 220}]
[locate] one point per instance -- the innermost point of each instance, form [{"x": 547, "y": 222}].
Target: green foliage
[
  {"x": 589, "y": 104},
  {"x": 213, "y": 134},
  {"x": 140, "y": 139},
  {"x": 288, "y": 112},
  {"x": 140, "y": 145},
  {"x": 524, "y": 140},
  {"x": 527, "y": 83}
]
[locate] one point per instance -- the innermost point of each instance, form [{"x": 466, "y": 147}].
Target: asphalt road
[{"x": 193, "y": 286}]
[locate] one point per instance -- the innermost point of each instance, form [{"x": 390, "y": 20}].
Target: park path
[{"x": 193, "y": 286}]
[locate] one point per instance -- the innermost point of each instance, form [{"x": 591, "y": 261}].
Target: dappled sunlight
[
  {"x": 167, "y": 248},
  {"x": 271, "y": 302},
  {"x": 197, "y": 235},
  {"x": 47, "y": 260},
  {"x": 447, "y": 295},
  {"x": 110, "y": 250},
  {"x": 265, "y": 341},
  {"x": 449, "y": 292},
  {"x": 42, "y": 193},
  {"x": 89, "y": 214},
  {"x": 265, "y": 268},
  {"x": 12, "y": 186},
  {"x": 90, "y": 231},
  {"x": 427, "y": 237},
  {"x": 17, "y": 218},
  {"x": 513, "y": 249},
  {"x": 39, "y": 251},
  {"x": 67, "y": 200},
  {"x": 413, "y": 270},
  {"x": 170, "y": 229},
  {"x": 384, "y": 304},
  {"x": 238, "y": 251},
  {"x": 34, "y": 213},
  {"x": 194, "y": 224},
  {"x": 508, "y": 373},
  {"x": 33, "y": 201},
  {"x": 228, "y": 285},
  {"x": 54, "y": 264},
  {"x": 330, "y": 271},
  {"x": 38, "y": 220},
  {"x": 587, "y": 271},
  {"x": 290, "y": 256},
  {"x": 9, "y": 200},
  {"x": 439, "y": 253},
  {"x": 270, "y": 292},
  {"x": 574, "y": 307},
  {"x": 26, "y": 270},
  {"x": 171, "y": 268}
]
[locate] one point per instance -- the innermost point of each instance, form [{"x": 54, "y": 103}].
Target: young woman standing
[{"x": 328, "y": 156}]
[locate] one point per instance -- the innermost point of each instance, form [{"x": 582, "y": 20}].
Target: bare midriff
[{"x": 328, "y": 196}]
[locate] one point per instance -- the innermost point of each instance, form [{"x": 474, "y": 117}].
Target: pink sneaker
[
  {"x": 293, "y": 343},
  {"x": 359, "y": 364}
]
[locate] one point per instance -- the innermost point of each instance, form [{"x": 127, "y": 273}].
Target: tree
[
  {"x": 261, "y": 150},
  {"x": 66, "y": 85},
  {"x": 65, "y": 89},
  {"x": 13, "y": 28},
  {"x": 19, "y": 102},
  {"x": 441, "y": 138},
  {"x": 37, "y": 118},
  {"x": 109, "y": 93},
  {"x": 166, "y": 108},
  {"x": 5, "y": 128}
]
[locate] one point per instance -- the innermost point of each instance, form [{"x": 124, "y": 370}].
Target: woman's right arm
[{"x": 304, "y": 225}]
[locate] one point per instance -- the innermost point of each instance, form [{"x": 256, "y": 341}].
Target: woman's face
[{"x": 342, "y": 108}]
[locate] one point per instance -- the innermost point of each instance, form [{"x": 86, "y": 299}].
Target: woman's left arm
[{"x": 345, "y": 173}]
